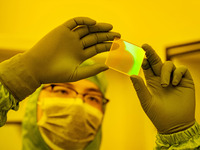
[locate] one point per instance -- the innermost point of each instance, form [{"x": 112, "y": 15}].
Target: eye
[
  {"x": 61, "y": 90},
  {"x": 93, "y": 98}
]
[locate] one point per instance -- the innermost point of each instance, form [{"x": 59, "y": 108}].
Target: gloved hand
[
  {"x": 57, "y": 56},
  {"x": 169, "y": 98}
]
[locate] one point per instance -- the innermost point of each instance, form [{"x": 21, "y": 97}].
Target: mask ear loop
[
  {"x": 39, "y": 103},
  {"x": 39, "y": 112},
  {"x": 94, "y": 112}
]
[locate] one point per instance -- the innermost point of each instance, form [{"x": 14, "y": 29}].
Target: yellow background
[{"x": 158, "y": 23}]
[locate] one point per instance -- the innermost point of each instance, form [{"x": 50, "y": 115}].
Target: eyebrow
[
  {"x": 68, "y": 84},
  {"x": 94, "y": 90},
  {"x": 87, "y": 90},
  {"x": 60, "y": 84}
]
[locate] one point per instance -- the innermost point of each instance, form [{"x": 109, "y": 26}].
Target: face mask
[{"x": 68, "y": 124}]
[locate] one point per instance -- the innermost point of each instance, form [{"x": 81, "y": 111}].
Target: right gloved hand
[
  {"x": 169, "y": 98},
  {"x": 57, "y": 56}
]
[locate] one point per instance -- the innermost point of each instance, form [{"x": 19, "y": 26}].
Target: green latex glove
[
  {"x": 169, "y": 97},
  {"x": 57, "y": 56}
]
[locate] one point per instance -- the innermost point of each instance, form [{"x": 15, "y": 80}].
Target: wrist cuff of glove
[
  {"x": 179, "y": 137},
  {"x": 18, "y": 79}
]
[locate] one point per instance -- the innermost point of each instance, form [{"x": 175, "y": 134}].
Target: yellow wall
[{"x": 159, "y": 23}]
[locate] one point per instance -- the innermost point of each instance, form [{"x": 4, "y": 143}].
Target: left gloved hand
[
  {"x": 57, "y": 57},
  {"x": 169, "y": 98}
]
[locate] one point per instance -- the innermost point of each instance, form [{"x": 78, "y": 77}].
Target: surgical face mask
[{"x": 69, "y": 123}]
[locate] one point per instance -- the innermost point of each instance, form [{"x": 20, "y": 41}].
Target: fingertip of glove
[
  {"x": 164, "y": 85},
  {"x": 137, "y": 82},
  {"x": 145, "y": 64},
  {"x": 145, "y": 46},
  {"x": 110, "y": 26},
  {"x": 134, "y": 78},
  {"x": 174, "y": 83},
  {"x": 104, "y": 68},
  {"x": 117, "y": 35},
  {"x": 92, "y": 22}
]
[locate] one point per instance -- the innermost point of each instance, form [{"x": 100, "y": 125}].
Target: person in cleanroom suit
[{"x": 168, "y": 99}]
